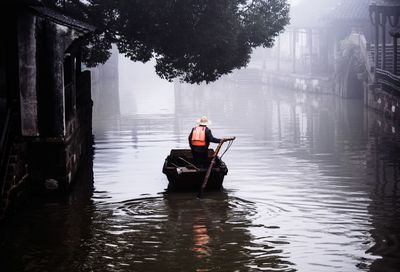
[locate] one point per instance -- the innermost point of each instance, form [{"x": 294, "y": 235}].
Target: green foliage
[{"x": 193, "y": 40}]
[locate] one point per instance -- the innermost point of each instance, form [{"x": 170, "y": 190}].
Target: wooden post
[
  {"x": 394, "y": 19},
  {"x": 294, "y": 51},
  {"x": 310, "y": 48},
  {"x": 279, "y": 119},
  {"x": 28, "y": 74},
  {"x": 374, "y": 17},
  {"x": 383, "y": 40},
  {"x": 395, "y": 54},
  {"x": 278, "y": 54},
  {"x": 376, "y": 49}
]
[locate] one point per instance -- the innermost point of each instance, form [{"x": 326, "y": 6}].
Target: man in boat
[{"x": 199, "y": 140}]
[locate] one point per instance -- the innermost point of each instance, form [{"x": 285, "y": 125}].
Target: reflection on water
[
  {"x": 180, "y": 233},
  {"x": 313, "y": 185}
]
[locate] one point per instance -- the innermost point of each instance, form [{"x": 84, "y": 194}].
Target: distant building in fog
[
  {"x": 351, "y": 43},
  {"x": 142, "y": 91},
  {"x": 105, "y": 87},
  {"x": 311, "y": 42}
]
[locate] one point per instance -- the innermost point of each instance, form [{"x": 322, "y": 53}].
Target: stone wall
[
  {"x": 385, "y": 103},
  {"x": 54, "y": 162},
  {"x": 46, "y": 146}
]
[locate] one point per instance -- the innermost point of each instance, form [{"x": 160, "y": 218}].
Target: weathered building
[
  {"x": 308, "y": 56},
  {"x": 383, "y": 54},
  {"x": 353, "y": 42},
  {"x": 45, "y": 103}
]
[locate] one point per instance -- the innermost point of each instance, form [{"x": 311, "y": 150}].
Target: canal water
[{"x": 313, "y": 185}]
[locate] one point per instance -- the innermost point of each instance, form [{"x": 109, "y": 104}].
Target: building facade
[{"x": 46, "y": 105}]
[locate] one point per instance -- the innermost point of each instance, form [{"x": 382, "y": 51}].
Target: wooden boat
[{"x": 182, "y": 174}]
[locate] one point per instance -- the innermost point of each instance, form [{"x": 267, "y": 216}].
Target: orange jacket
[{"x": 199, "y": 136}]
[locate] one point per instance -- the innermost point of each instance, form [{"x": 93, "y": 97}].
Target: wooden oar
[
  {"x": 191, "y": 164},
  {"x": 204, "y": 184}
]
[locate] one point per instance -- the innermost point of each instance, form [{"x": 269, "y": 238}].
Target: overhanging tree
[{"x": 192, "y": 40}]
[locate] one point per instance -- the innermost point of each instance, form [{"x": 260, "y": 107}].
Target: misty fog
[{"x": 310, "y": 181}]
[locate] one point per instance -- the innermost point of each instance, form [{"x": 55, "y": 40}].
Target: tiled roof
[
  {"x": 317, "y": 13},
  {"x": 350, "y": 10},
  {"x": 62, "y": 19},
  {"x": 386, "y": 2}
]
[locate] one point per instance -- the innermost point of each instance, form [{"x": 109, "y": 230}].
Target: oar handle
[
  {"x": 228, "y": 139},
  {"x": 204, "y": 184},
  {"x": 223, "y": 140}
]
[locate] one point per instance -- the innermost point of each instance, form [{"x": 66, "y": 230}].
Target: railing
[
  {"x": 389, "y": 57},
  {"x": 389, "y": 80}
]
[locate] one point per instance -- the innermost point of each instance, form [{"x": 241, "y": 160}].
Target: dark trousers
[{"x": 200, "y": 158}]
